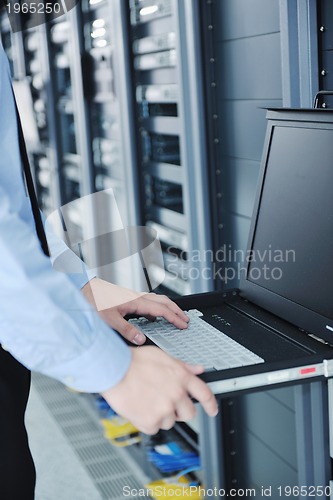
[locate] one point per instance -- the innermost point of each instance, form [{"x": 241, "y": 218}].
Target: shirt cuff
[
  {"x": 102, "y": 366},
  {"x": 69, "y": 263}
]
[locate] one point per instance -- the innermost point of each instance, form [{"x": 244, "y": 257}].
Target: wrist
[{"x": 104, "y": 295}]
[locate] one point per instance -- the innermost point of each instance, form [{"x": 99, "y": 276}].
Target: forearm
[
  {"x": 45, "y": 322},
  {"x": 104, "y": 295}
]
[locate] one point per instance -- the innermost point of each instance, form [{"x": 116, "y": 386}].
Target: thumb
[{"x": 126, "y": 330}]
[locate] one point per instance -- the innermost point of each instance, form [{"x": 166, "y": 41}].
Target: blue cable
[
  {"x": 101, "y": 403},
  {"x": 188, "y": 471},
  {"x": 174, "y": 463}
]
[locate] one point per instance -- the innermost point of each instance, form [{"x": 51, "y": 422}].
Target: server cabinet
[
  {"x": 127, "y": 109},
  {"x": 248, "y": 452},
  {"x": 243, "y": 76},
  {"x": 172, "y": 170},
  {"x": 325, "y": 50},
  {"x": 28, "y": 58},
  {"x": 12, "y": 44},
  {"x": 109, "y": 108},
  {"x": 124, "y": 113},
  {"x": 43, "y": 151},
  {"x": 258, "y": 54},
  {"x": 82, "y": 109}
]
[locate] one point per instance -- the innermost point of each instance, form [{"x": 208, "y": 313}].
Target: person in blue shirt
[{"x": 48, "y": 325}]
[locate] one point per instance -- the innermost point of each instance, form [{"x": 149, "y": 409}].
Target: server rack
[
  {"x": 248, "y": 453},
  {"x": 71, "y": 131},
  {"x": 27, "y": 56},
  {"x": 108, "y": 101},
  {"x": 162, "y": 76},
  {"x": 126, "y": 117},
  {"x": 82, "y": 108},
  {"x": 325, "y": 50},
  {"x": 12, "y": 44},
  {"x": 244, "y": 450},
  {"x": 44, "y": 154},
  {"x": 90, "y": 133},
  {"x": 171, "y": 139}
]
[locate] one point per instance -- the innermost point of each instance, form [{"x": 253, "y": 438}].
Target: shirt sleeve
[
  {"x": 45, "y": 322},
  {"x": 65, "y": 260}
]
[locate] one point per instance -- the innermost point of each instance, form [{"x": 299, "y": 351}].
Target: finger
[
  {"x": 126, "y": 329},
  {"x": 195, "y": 369},
  {"x": 168, "y": 422},
  {"x": 155, "y": 308},
  {"x": 163, "y": 299},
  {"x": 150, "y": 430},
  {"x": 201, "y": 392},
  {"x": 185, "y": 410},
  {"x": 150, "y": 317}
]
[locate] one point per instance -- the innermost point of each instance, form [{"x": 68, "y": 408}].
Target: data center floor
[{"x": 73, "y": 459}]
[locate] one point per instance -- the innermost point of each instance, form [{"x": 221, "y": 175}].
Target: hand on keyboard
[
  {"x": 200, "y": 343},
  {"x": 114, "y": 302}
]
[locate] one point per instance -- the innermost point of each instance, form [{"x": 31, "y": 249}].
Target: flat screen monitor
[{"x": 289, "y": 259}]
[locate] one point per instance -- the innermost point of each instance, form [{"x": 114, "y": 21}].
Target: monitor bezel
[{"x": 300, "y": 316}]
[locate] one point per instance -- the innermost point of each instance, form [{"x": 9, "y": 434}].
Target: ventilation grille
[{"x": 104, "y": 463}]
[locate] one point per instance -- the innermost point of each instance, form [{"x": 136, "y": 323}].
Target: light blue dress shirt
[{"x": 45, "y": 321}]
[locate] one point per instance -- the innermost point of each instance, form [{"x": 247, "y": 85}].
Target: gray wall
[
  {"x": 247, "y": 45},
  {"x": 266, "y": 440},
  {"x": 249, "y": 78}
]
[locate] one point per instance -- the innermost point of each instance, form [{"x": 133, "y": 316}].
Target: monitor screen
[{"x": 290, "y": 252}]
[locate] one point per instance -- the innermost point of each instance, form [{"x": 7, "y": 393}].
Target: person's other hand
[
  {"x": 114, "y": 302},
  {"x": 157, "y": 390},
  {"x": 149, "y": 305}
]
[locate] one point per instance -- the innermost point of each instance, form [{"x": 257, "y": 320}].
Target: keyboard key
[{"x": 200, "y": 343}]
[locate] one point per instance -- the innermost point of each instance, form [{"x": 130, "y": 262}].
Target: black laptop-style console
[{"x": 283, "y": 311}]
